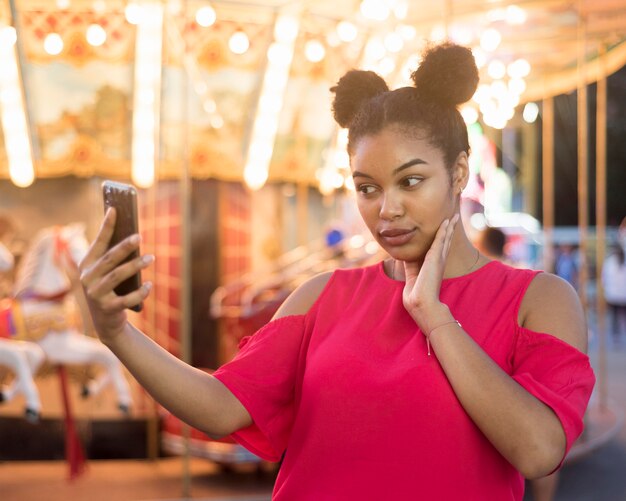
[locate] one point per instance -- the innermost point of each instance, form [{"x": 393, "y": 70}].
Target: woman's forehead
[{"x": 392, "y": 145}]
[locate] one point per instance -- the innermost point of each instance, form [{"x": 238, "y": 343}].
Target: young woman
[{"x": 436, "y": 374}]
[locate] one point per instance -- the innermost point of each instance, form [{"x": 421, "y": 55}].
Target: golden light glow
[
  {"x": 146, "y": 106},
  {"x": 53, "y": 44},
  {"x": 13, "y": 113}
]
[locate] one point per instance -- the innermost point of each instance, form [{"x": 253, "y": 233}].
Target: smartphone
[{"x": 123, "y": 197}]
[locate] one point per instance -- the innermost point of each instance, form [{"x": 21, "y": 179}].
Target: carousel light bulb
[
  {"x": 255, "y": 178},
  {"x": 286, "y": 29},
  {"x": 22, "y": 175},
  {"x": 8, "y": 36},
  {"x": 206, "y": 16},
  {"x": 217, "y": 122},
  {"x": 347, "y": 31},
  {"x": 314, "y": 51},
  {"x": 393, "y": 42},
  {"x": 469, "y": 114},
  {"x": 517, "y": 86},
  {"x": 132, "y": 12},
  {"x": 407, "y": 31},
  {"x": 238, "y": 42},
  {"x": 96, "y": 36},
  {"x": 490, "y": 39},
  {"x": 496, "y": 69},
  {"x": 53, "y": 44},
  {"x": 63, "y": 4},
  {"x": 401, "y": 9},
  {"x": 375, "y": 49},
  {"x": 386, "y": 66},
  {"x": 531, "y": 112},
  {"x": 519, "y": 68},
  {"x": 515, "y": 15},
  {"x": 376, "y": 10}
]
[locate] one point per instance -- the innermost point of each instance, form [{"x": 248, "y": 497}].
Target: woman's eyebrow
[{"x": 406, "y": 165}]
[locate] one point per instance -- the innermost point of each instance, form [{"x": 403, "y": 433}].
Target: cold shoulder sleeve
[
  {"x": 263, "y": 377},
  {"x": 557, "y": 374}
]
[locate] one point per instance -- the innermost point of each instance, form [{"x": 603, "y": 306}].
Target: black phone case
[{"x": 123, "y": 197}]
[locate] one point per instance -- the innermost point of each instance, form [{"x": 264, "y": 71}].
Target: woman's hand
[
  {"x": 421, "y": 290},
  {"x": 102, "y": 270}
]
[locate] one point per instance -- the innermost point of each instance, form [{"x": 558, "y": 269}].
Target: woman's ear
[{"x": 460, "y": 173}]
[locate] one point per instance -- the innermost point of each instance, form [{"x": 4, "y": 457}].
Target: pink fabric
[{"x": 347, "y": 395}]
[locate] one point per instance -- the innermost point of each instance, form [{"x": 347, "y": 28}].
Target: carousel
[{"x": 219, "y": 114}]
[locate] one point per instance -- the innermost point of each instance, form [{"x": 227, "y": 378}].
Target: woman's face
[{"x": 404, "y": 190}]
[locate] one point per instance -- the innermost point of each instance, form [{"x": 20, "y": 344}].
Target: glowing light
[
  {"x": 255, "y": 177},
  {"x": 206, "y": 16},
  {"x": 314, "y": 51},
  {"x": 238, "y": 43},
  {"x": 531, "y": 112},
  {"x": 376, "y": 10},
  {"x": 375, "y": 49},
  {"x": 347, "y": 31},
  {"x": 132, "y": 12},
  {"x": 386, "y": 66},
  {"x": 496, "y": 69},
  {"x": 519, "y": 68},
  {"x": 393, "y": 42},
  {"x": 53, "y": 44},
  {"x": 8, "y": 36},
  {"x": 515, "y": 15},
  {"x": 13, "y": 114},
  {"x": 217, "y": 122},
  {"x": 407, "y": 31},
  {"x": 286, "y": 29},
  {"x": 401, "y": 9},
  {"x": 96, "y": 35},
  {"x": 63, "y": 4},
  {"x": 480, "y": 57},
  {"x": 265, "y": 126},
  {"x": 148, "y": 49},
  {"x": 469, "y": 114},
  {"x": 490, "y": 39},
  {"x": 517, "y": 86},
  {"x": 438, "y": 33}
]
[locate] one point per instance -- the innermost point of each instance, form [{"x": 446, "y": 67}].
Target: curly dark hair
[{"x": 446, "y": 78}]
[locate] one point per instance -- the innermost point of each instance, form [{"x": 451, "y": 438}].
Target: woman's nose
[{"x": 391, "y": 208}]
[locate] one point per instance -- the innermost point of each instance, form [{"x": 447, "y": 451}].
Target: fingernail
[
  {"x": 135, "y": 238},
  {"x": 147, "y": 286},
  {"x": 148, "y": 258}
]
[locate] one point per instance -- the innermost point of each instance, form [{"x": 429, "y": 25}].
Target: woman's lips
[{"x": 396, "y": 237}]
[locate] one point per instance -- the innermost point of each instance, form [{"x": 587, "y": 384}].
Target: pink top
[{"x": 348, "y": 394}]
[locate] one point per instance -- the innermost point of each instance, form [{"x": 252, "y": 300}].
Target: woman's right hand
[{"x": 102, "y": 270}]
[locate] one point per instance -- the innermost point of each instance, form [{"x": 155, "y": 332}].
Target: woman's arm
[
  {"x": 525, "y": 430},
  {"x": 191, "y": 394},
  {"x": 521, "y": 427}
]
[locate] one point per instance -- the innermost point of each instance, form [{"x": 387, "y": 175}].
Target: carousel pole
[
  {"x": 547, "y": 173},
  {"x": 583, "y": 162},
  {"x": 601, "y": 227},
  {"x": 185, "y": 267}
]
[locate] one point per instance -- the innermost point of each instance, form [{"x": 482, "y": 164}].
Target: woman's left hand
[{"x": 421, "y": 290}]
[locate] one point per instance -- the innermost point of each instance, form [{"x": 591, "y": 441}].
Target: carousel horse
[{"x": 35, "y": 321}]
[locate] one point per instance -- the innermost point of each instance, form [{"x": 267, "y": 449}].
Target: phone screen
[{"x": 123, "y": 197}]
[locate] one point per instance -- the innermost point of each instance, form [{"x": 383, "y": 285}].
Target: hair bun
[
  {"x": 352, "y": 90},
  {"x": 447, "y": 74}
]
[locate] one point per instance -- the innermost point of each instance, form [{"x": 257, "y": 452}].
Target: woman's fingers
[
  {"x": 111, "y": 279},
  {"x": 101, "y": 243}
]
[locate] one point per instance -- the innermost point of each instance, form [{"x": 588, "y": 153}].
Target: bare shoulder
[
  {"x": 551, "y": 305},
  {"x": 300, "y": 300}
]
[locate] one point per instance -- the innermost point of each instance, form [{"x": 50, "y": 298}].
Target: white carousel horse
[{"x": 37, "y": 316}]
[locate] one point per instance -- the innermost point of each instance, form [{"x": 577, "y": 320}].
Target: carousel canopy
[{"x": 239, "y": 90}]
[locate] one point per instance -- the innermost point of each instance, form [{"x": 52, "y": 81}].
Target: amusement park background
[{"x": 219, "y": 113}]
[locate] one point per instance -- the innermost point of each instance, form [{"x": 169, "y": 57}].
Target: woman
[{"x": 436, "y": 374}]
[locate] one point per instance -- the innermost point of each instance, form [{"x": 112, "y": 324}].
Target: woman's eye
[
  {"x": 366, "y": 189},
  {"x": 411, "y": 181}
]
